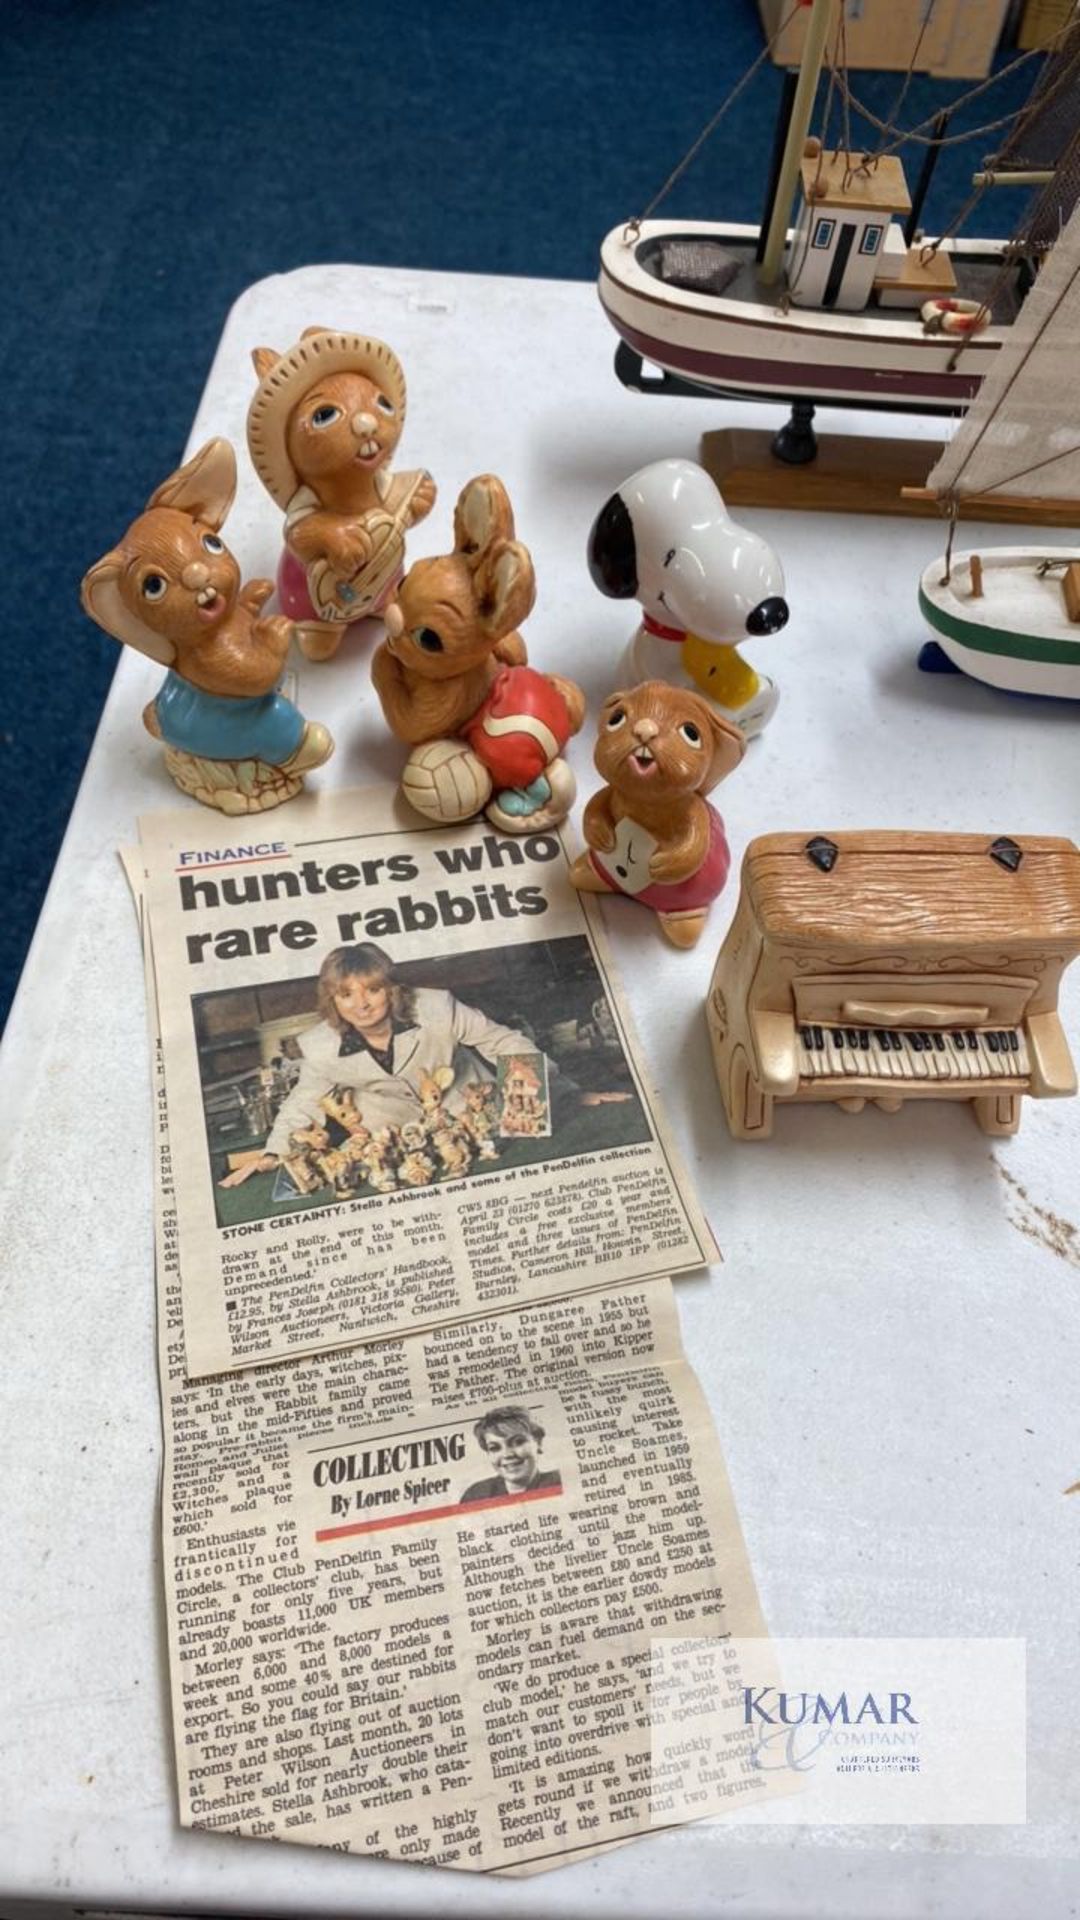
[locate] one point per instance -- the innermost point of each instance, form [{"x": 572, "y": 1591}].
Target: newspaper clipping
[
  {"x": 412, "y": 1587},
  {"x": 401, "y": 1084}
]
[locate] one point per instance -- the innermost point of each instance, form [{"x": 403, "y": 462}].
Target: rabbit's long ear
[
  {"x": 204, "y": 488},
  {"x": 505, "y": 586},
  {"x": 728, "y": 744},
  {"x": 483, "y": 515},
  {"x": 100, "y": 595}
]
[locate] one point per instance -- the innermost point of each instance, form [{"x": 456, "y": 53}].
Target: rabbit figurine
[
  {"x": 487, "y": 730},
  {"x": 172, "y": 590},
  {"x": 650, "y": 832},
  {"x": 322, "y": 428}
]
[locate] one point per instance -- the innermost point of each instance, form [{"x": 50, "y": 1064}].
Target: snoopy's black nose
[{"x": 768, "y": 616}]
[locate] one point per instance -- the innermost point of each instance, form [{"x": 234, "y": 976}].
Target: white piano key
[
  {"x": 988, "y": 1062},
  {"x": 881, "y": 1061},
  {"x": 972, "y": 1060},
  {"x": 847, "y": 1054},
  {"x": 916, "y": 1065},
  {"x": 945, "y": 1067}
]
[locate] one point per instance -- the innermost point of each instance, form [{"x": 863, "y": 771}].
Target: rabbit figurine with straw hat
[{"x": 324, "y": 423}]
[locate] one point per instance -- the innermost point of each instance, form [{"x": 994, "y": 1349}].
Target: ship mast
[{"x": 805, "y": 95}]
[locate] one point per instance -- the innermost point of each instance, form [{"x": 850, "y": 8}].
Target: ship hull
[
  {"x": 1016, "y": 635},
  {"x": 757, "y": 348}
]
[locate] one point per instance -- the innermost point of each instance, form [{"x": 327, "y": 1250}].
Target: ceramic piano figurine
[{"x": 895, "y": 966}]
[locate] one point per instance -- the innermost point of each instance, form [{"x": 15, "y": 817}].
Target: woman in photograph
[
  {"x": 512, "y": 1440},
  {"x": 380, "y": 1038}
]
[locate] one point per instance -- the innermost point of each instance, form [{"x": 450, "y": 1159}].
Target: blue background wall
[{"x": 159, "y": 155}]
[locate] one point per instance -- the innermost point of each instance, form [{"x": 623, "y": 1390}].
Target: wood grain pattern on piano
[
  {"x": 894, "y": 966},
  {"x": 928, "y": 887}
]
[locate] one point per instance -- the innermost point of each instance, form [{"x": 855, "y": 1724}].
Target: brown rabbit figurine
[
  {"x": 650, "y": 832},
  {"x": 324, "y": 423},
  {"x": 172, "y": 590},
  {"x": 452, "y": 676}
]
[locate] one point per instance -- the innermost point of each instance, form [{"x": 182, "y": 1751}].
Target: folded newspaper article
[
  {"x": 412, "y": 1588},
  {"x": 401, "y": 1083}
]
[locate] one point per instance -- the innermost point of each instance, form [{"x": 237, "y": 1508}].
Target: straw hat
[{"x": 290, "y": 375}]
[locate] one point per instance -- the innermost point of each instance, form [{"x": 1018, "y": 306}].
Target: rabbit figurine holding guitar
[{"x": 326, "y": 419}]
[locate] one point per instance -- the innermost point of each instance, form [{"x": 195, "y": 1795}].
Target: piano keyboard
[{"x": 895, "y": 1053}]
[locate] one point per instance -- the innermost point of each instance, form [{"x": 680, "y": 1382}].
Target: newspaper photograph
[{"x": 400, "y": 1079}]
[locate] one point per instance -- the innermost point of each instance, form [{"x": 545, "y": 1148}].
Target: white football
[{"x": 445, "y": 781}]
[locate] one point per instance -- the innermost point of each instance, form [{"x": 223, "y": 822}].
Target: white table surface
[{"x": 891, "y": 1350}]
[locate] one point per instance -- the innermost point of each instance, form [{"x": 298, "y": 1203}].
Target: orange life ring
[{"x": 954, "y": 316}]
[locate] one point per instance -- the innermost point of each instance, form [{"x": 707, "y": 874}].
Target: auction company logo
[{"x": 792, "y": 1728}]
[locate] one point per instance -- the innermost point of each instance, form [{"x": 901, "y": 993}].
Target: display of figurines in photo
[
  {"x": 440, "y": 1145},
  {"x": 487, "y": 731},
  {"x": 704, "y": 583},
  {"x": 650, "y": 832},
  {"x": 322, "y": 429},
  {"x": 172, "y": 590}
]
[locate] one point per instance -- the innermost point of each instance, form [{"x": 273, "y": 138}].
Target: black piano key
[
  {"x": 851, "y": 1037},
  {"x": 939, "y": 1043},
  {"x": 819, "y": 1038},
  {"x": 1014, "y": 1042},
  {"x": 806, "y": 1036},
  {"x": 958, "y": 1042},
  {"x": 864, "y": 1039},
  {"x": 917, "y": 1040},
  {"x": 993, "y": 1041},
  {"x": 973, "y": 1042}
]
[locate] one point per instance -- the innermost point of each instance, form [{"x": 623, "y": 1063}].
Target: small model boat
[
  {"x": 841, "y": 297},
  {"x": 1011, "y": 615},
  {"x": 1015, "y": 632},
  {"x": 748, "y": 340}
]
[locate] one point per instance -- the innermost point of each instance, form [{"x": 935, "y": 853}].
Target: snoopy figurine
[{"x": 704, "y": 584}]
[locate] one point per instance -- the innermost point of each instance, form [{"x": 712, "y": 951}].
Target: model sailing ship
[
  {"x": 1010, "y": 616},
  {"x": 846, "y": 306}
]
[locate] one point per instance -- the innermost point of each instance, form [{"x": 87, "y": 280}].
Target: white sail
[{"x": 1021, "y": 434}]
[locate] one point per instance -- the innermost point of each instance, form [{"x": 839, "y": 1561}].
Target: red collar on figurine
[{"x": 662, "y": 633}]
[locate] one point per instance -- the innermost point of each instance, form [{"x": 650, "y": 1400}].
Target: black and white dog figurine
[{"x": 704, "y": 585}]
